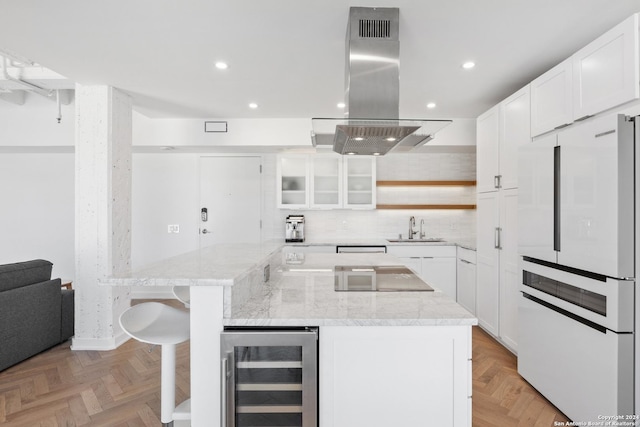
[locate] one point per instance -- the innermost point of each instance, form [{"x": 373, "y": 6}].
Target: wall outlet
[{"x": 175, "y": 228}]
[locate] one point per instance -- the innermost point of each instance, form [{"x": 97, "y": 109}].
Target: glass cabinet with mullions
[{"x": 269, "y": 377}]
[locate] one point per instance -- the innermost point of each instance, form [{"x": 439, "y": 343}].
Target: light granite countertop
[
  {"x": 303, "y": 294},
  {"x": 300, "y": 291}
]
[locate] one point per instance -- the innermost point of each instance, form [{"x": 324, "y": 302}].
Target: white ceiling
[{"x": 288, "y": 55}]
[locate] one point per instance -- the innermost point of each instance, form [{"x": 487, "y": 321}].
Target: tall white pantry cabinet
[{"x": 500, "y": 131}]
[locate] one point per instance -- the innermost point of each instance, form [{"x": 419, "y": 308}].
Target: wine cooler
[{"x": 269, "y": 377}]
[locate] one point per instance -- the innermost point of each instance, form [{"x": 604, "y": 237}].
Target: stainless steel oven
[
  {"x": 269, "y": 377},
  {"x": 576, "y": 339}
]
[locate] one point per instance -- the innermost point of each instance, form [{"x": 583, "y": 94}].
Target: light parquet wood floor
[
  {"x": 500, "y": 396},
  {"x": 121, "y": 388}
]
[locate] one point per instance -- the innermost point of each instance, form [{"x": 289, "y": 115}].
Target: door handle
[
  {"x": 205, "y": 231},
  {"x": 224, "y": 385}
]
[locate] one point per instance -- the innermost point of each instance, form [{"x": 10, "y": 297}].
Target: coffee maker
[{"x": 294, "y": 228}]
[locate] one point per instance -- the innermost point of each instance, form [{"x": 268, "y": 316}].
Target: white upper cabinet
[
  {"x": 488, "y": 130},
  {"x": 293, "y": 181},
  {"x": 500, "y": 131},
  {"x": 359, "y": 182},
  {"x": 600, "y": 76},
  {"x": 606, "y": 72},
  {"x": 552, "y": 99},
  {"x": 326, "y": 181},
  {"x": 515, "y": 124}
]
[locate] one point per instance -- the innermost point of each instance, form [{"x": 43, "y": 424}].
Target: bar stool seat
[
  {"x": 160, "y": 324},
  {"x": 182, "y": 294}
]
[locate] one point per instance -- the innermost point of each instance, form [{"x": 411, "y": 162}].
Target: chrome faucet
[
  {"x": 412, "y": 223},
  {"x": 422, "y": 236}
]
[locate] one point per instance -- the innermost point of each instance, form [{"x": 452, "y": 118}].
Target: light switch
[{"x": 175, "y": 228}]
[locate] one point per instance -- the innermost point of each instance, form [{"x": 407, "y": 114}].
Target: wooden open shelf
[
  {"x": 425, "y": 206},
  {"x": 425, "y": 183}
]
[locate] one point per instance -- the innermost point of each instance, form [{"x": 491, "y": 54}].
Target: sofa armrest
[{"x": 68, "y": 314}]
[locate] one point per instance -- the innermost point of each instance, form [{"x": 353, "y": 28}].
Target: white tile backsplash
[{"x": 347, "y": 224}]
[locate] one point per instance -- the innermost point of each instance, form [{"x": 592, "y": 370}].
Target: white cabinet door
[
  {"x": 606, "y": 71},
  {"x": 536, "y": 198},
  {"x": 510, "y": 275},
  {"x": 488, "y": 134},
  {"x": 414, "y": 263},
  {"x": 515, "y": 132},
  {"x": 552, "y": 99},
  {"x": 359, "y": 182},
  {"x": 395, "y": 376},
  {"x": 293, "y": 181},
  {"x": 487, "y": 267},
  {"x": 466, "y": 279},
  {"x": 326, "y": 181},
  {"x": 440, "y": 273}
]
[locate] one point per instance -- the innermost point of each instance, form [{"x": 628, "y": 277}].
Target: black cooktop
[{"x": 387, "y": 278}]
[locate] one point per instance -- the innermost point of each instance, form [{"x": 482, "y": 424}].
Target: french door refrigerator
[{"x": 576, "y": 213}]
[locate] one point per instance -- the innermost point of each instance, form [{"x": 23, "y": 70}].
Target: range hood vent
[
  {"x": 374, "y": 28},
  {"x": 372, "y": 86}
]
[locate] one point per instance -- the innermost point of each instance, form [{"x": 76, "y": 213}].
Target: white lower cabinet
[
  {"x": 466, "y": 279},
  {"x": 435, "y": 264},
  {"x": 395, "y": 376}
]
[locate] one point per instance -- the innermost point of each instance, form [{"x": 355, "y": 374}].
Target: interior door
[{"x": 230, "y": 200}]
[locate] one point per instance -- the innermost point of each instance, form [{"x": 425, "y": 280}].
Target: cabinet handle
[
  {"x": 497, "y": 181},
  {"x": 583, "y": 118},
  {"x": 497, "y": 238},
  {"x": 465, "y": 261},
  {"x": 562, "y": 126}
]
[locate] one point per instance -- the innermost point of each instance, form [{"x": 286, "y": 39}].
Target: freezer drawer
[{"x": 586, "y": 373}]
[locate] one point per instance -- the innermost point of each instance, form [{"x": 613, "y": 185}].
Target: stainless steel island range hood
[{"x": 371, "y": 125}]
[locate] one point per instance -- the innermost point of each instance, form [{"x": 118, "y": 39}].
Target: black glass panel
[{"x": 581, "y": 297}]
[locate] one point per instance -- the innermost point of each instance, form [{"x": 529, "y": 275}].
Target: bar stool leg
[{"x": 168, "y": 384}]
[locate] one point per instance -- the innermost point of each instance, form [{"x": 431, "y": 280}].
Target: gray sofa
[{"x": 35, "y": 313}]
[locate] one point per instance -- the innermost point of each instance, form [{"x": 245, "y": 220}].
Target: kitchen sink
[{"x": 425, "y": 240}]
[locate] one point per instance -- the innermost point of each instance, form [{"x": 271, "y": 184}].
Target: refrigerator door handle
[{"x": 556, "y": 198}]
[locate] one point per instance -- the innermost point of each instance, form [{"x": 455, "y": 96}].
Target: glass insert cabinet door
[{"x": 269, "y": 378}]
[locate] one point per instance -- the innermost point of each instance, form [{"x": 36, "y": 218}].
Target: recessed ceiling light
[
  {"x": 341, "y": 105},
  {"x": 431, "y": 105},
  {"x": 221, "y": 65},
  {"x": 253, "y": 105},
  {"x": 468, "y": 65},
  {"x": 376, "y": 154}
]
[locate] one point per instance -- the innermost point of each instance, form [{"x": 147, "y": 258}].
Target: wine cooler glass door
[{"x": 269, "y": 378}]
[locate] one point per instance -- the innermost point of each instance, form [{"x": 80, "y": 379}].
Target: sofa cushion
[
  {"x": 29, "y": 321},
  {"x": 24, "y": 273}
]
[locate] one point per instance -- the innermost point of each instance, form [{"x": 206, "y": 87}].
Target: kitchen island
[{"x": 385, "y": 358}]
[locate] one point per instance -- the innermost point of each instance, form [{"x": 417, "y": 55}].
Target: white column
[{"x": 102, "y": 214}]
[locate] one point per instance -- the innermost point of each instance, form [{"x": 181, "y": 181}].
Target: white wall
[
  {"x": 165, "y": 191},
  {"x": 35, "y": 124},
  {"x": 37, "y": 209}
]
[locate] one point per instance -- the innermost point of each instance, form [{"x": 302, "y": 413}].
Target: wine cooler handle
[{"x": 224, "y": 389}]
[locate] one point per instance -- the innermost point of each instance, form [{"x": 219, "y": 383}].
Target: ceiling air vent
[{"x": 374, "y": 28}]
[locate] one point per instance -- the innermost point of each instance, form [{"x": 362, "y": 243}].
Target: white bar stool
[
  {"x": 182, "y": 294},
  {"x": 160, "y": 324}
]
